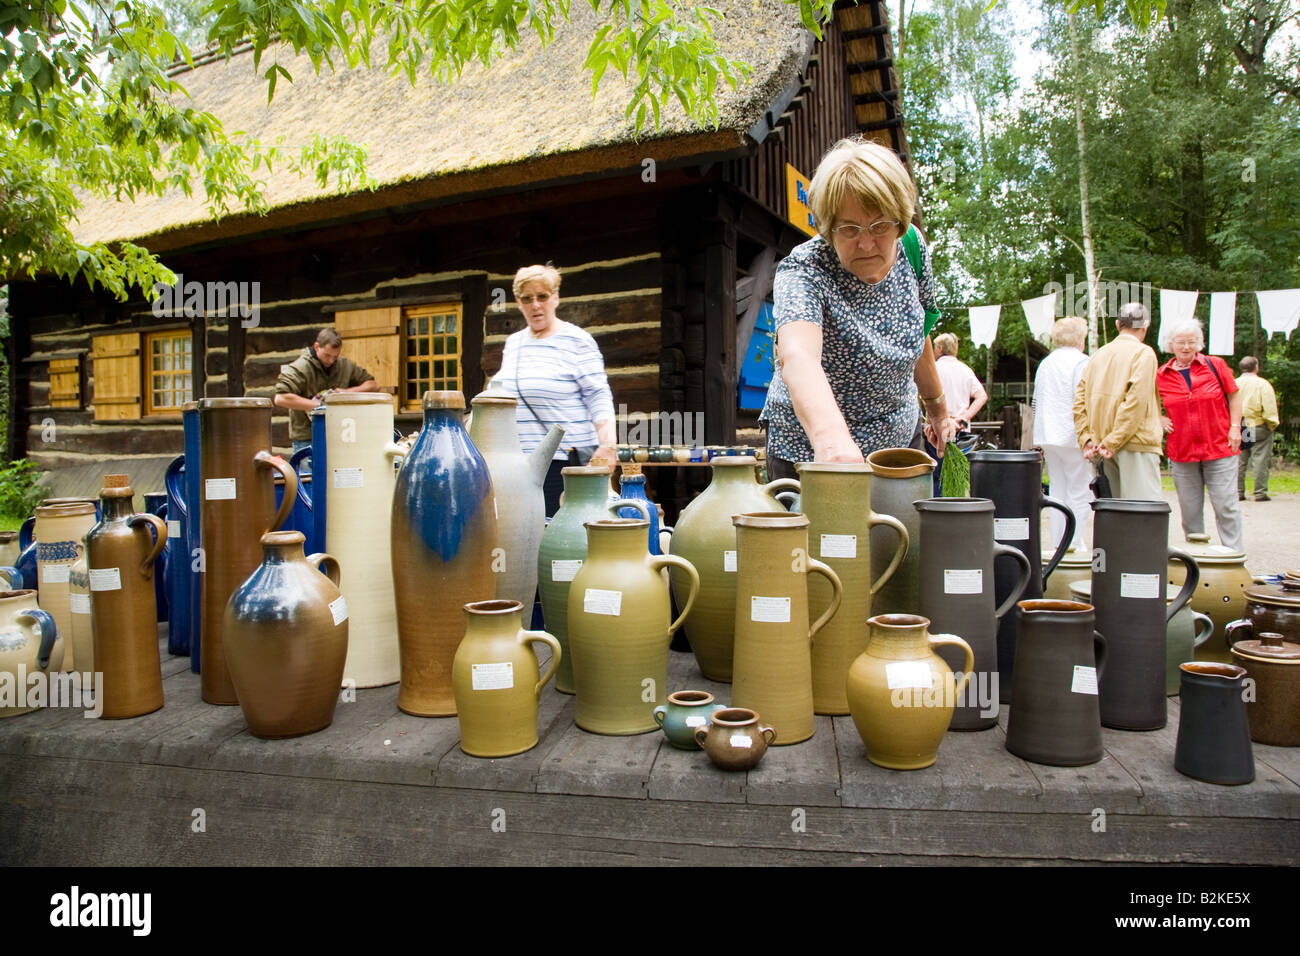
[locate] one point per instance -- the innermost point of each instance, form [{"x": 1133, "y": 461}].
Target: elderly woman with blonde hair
[
  {"x": 1202, "y": 423},
  {"x": 853, "y": 316},
  {"x": 1054, "y": 385}
]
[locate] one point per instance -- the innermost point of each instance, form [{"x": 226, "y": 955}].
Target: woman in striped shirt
[{"x": 556, "y": 371}]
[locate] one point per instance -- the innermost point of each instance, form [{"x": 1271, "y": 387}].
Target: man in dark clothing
[{"x": 319, "y": 369}]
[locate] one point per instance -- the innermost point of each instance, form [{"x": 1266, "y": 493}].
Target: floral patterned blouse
[{"x": 872, "y": 335}]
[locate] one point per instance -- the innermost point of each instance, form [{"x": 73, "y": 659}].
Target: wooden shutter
[
  {"x": 65, "y": 383},
  {"x": 116, "y": 361},
  {"x": 372, "y": 338}
]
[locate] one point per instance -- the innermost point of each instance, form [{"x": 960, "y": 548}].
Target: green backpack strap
[{"x": 912, "y": 247}]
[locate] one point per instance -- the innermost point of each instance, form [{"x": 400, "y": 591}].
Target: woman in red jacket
[{"x": 1203, "y": 423}]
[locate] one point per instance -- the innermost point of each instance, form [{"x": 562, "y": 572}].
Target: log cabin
[{"x": 666, "y": 240}]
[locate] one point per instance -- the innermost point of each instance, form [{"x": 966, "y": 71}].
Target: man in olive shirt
[
  {"x": 319, "y": 369},
  {"x": 1260, "y": 420}
]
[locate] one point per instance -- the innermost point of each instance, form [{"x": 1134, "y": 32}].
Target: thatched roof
[{"x": 528, "y": 118}]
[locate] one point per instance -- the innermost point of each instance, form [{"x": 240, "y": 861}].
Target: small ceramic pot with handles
[
  {"x": 734, "y": 739},
  {"x": 1274, "y": 665},
  {"x": 686, "y": 712}
]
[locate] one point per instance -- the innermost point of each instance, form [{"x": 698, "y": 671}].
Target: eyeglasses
[
  {"x": 530, "y": 299},
  {"x": 852, "y": 232}
]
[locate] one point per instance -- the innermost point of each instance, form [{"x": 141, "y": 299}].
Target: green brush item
[{"x": 954, "y": 473}]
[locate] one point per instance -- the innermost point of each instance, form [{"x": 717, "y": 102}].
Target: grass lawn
[
  {"x": 10, "y": 522},
  {"x": 1282, "y": 478}
]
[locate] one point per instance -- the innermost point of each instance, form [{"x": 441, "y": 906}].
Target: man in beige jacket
[
  {"x": 1259, "y": 419},
  {"x": 1117, "y": 412}
]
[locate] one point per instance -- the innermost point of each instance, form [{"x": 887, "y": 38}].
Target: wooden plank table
[{"x": 379, "y": 786}]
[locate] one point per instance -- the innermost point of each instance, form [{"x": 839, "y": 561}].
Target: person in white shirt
[
  {"x": 965, "y": 394},
  {"x": 1054, "y": 386}
]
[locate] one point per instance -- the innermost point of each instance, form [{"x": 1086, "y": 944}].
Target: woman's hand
[
  {"x": 843, "y": 450},
  {"x": 606, "y": 453},
  {"x": 1166, "y": 424},
  {"x": 1234, "y": 438},
  {"x": 938, "y": 433}
]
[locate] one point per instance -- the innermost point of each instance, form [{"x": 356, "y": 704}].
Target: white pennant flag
[
  {"x": 1279, "y": 310},
  {"x": 984, "y": 324},
  {"x": 1040, "y": 313},
  {"x": 1175, "y": 307},
  {"x": 1223, "y": 323}
]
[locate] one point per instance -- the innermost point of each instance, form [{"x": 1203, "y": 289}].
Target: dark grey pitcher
[
  {"x": 956, "y": 594},
  {"x": 1129, "y": 574}
]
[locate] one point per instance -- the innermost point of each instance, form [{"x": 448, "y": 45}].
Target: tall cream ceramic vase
[
  {"x": 837, "y": 500},
  {"x": 496, "y": 681},
  {"x": 361, "y": 475},
  {"x": 60, "y": 539},
  {"x": 773, "y": 658},
  {"x": 620, "y": 626},
  {"x": 705, "y": 536},
  {"x": 517, "y": 484}
]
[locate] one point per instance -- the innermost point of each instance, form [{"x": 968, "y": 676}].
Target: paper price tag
[
  {"x": 339, "y": 610},
  {"x": 901, "y": 674},
  {"x": 1084, "y": 680},
  {"x": 492, "y": 676},
  {"x": 839, "y": 546},
  {"x": 219, "y": 489},
  {"x": 729, "y": 561},
  {"x": 56, "y": 573},
  {"x": 740, "y": 740},
  {"x": 1139, "y": 585},
  {"x": 349, "y": 477},
  {"x": 696, "y": 721},
  {"x": 963, "y": 581},
  {"x": 598, "y": 601},
  {"x": 1011, "y": 529},
  {"x": 770, "y": 610},
  {"x": 173, "y": 528},
  {"x": 79, "y": 603},
  {"x": 105, "y": 579},
  {"x": 564, "y": 570}
]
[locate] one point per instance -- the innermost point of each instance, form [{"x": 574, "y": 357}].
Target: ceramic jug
[
  {"x": 192, "y": 488},
  {"x": 564, "y": 548},
  {"x": 1213, "y": 730},
  {"x": 735, "y": 739},
  {"x": 686, "y": 712},
  {"x": 1013, "y": 481},
  {"x": 620, "y": 626},
  {"x": 82, "y": 639},
  {"x": 315, "y": 457},
  {"x": 705, "y": 536},
  {"x": 772, "y": 671},
  {"x": 155, "y": 503},
  {"x": 633, "y": 487},
  {"x": 237, "y": 508},
  {"x": 1074, "y": 566},
  {"x": 60, "y": 531},
  {"x": 9, "y": 549},
  {"x": 496, "y": 679},
  {"x": 1130, "y": 557},
  {"x": 1269, "y": 607},
  {"x": 517, "y": 483},
  {"x": 1220, "y": 594},
  {"x": 899, "y": 476},
  {"x": 444, "y": 544},
  {"x": 1055, "y": 715},
  {"x": 121, "y": 556},
  {"x": 178, "y": 559},
  {"x": 958, "y": 552},
  {"x": 352, "y": 484},
  {"x": 1274, "y": 666},
  {"x": 837, "y": 500},
  {"x": 902, "y": 694},
  {"x": 30, "y": 643},
  {"x": 11, "y": 579},
  {"x": 286, "y": 638}
]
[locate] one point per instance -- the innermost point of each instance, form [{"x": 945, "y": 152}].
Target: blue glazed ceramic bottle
[
  {"x": 194, "y": 525},
  {"x": 633, "y": 487},
  {"x": 444, "y": 547},
  {"x": 178, "y": 560}
]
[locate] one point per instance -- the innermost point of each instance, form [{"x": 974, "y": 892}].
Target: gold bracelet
[{"x": 933, "y": 401}]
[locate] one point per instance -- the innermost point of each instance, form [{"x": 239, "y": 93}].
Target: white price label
[
  {"x": 339, "y": 610},
  {"x": 219, "y": 489},
  {"x": 740, "y": 740},
  {"x": 492, "y": 676},
  {"x": 79, "y": 603},
  {"x": 909, "y": 674},
  {"x": 173, "y": 528},
  {"x": 695, "y": 721},
  {"x": 55, "y": 573},
  {"x": 963, "y": 581},
  {"x": 729, "y": 561},
  {"x": 839, "y": 546},
  {"x": 1011, "y": 529},
  {"x": 564, "y": 570},
  {"x": 105, "y": 579},
  {"x": 1139, "y": 585},
  {"x": 771, "y": 610},
  {"x": 1084, "y": 681},
  {"x": 349, "y": 477},
  {"x": 597, "y": 601}
]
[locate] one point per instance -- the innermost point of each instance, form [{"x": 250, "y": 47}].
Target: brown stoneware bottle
[{"x": 120, "y": 556}]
